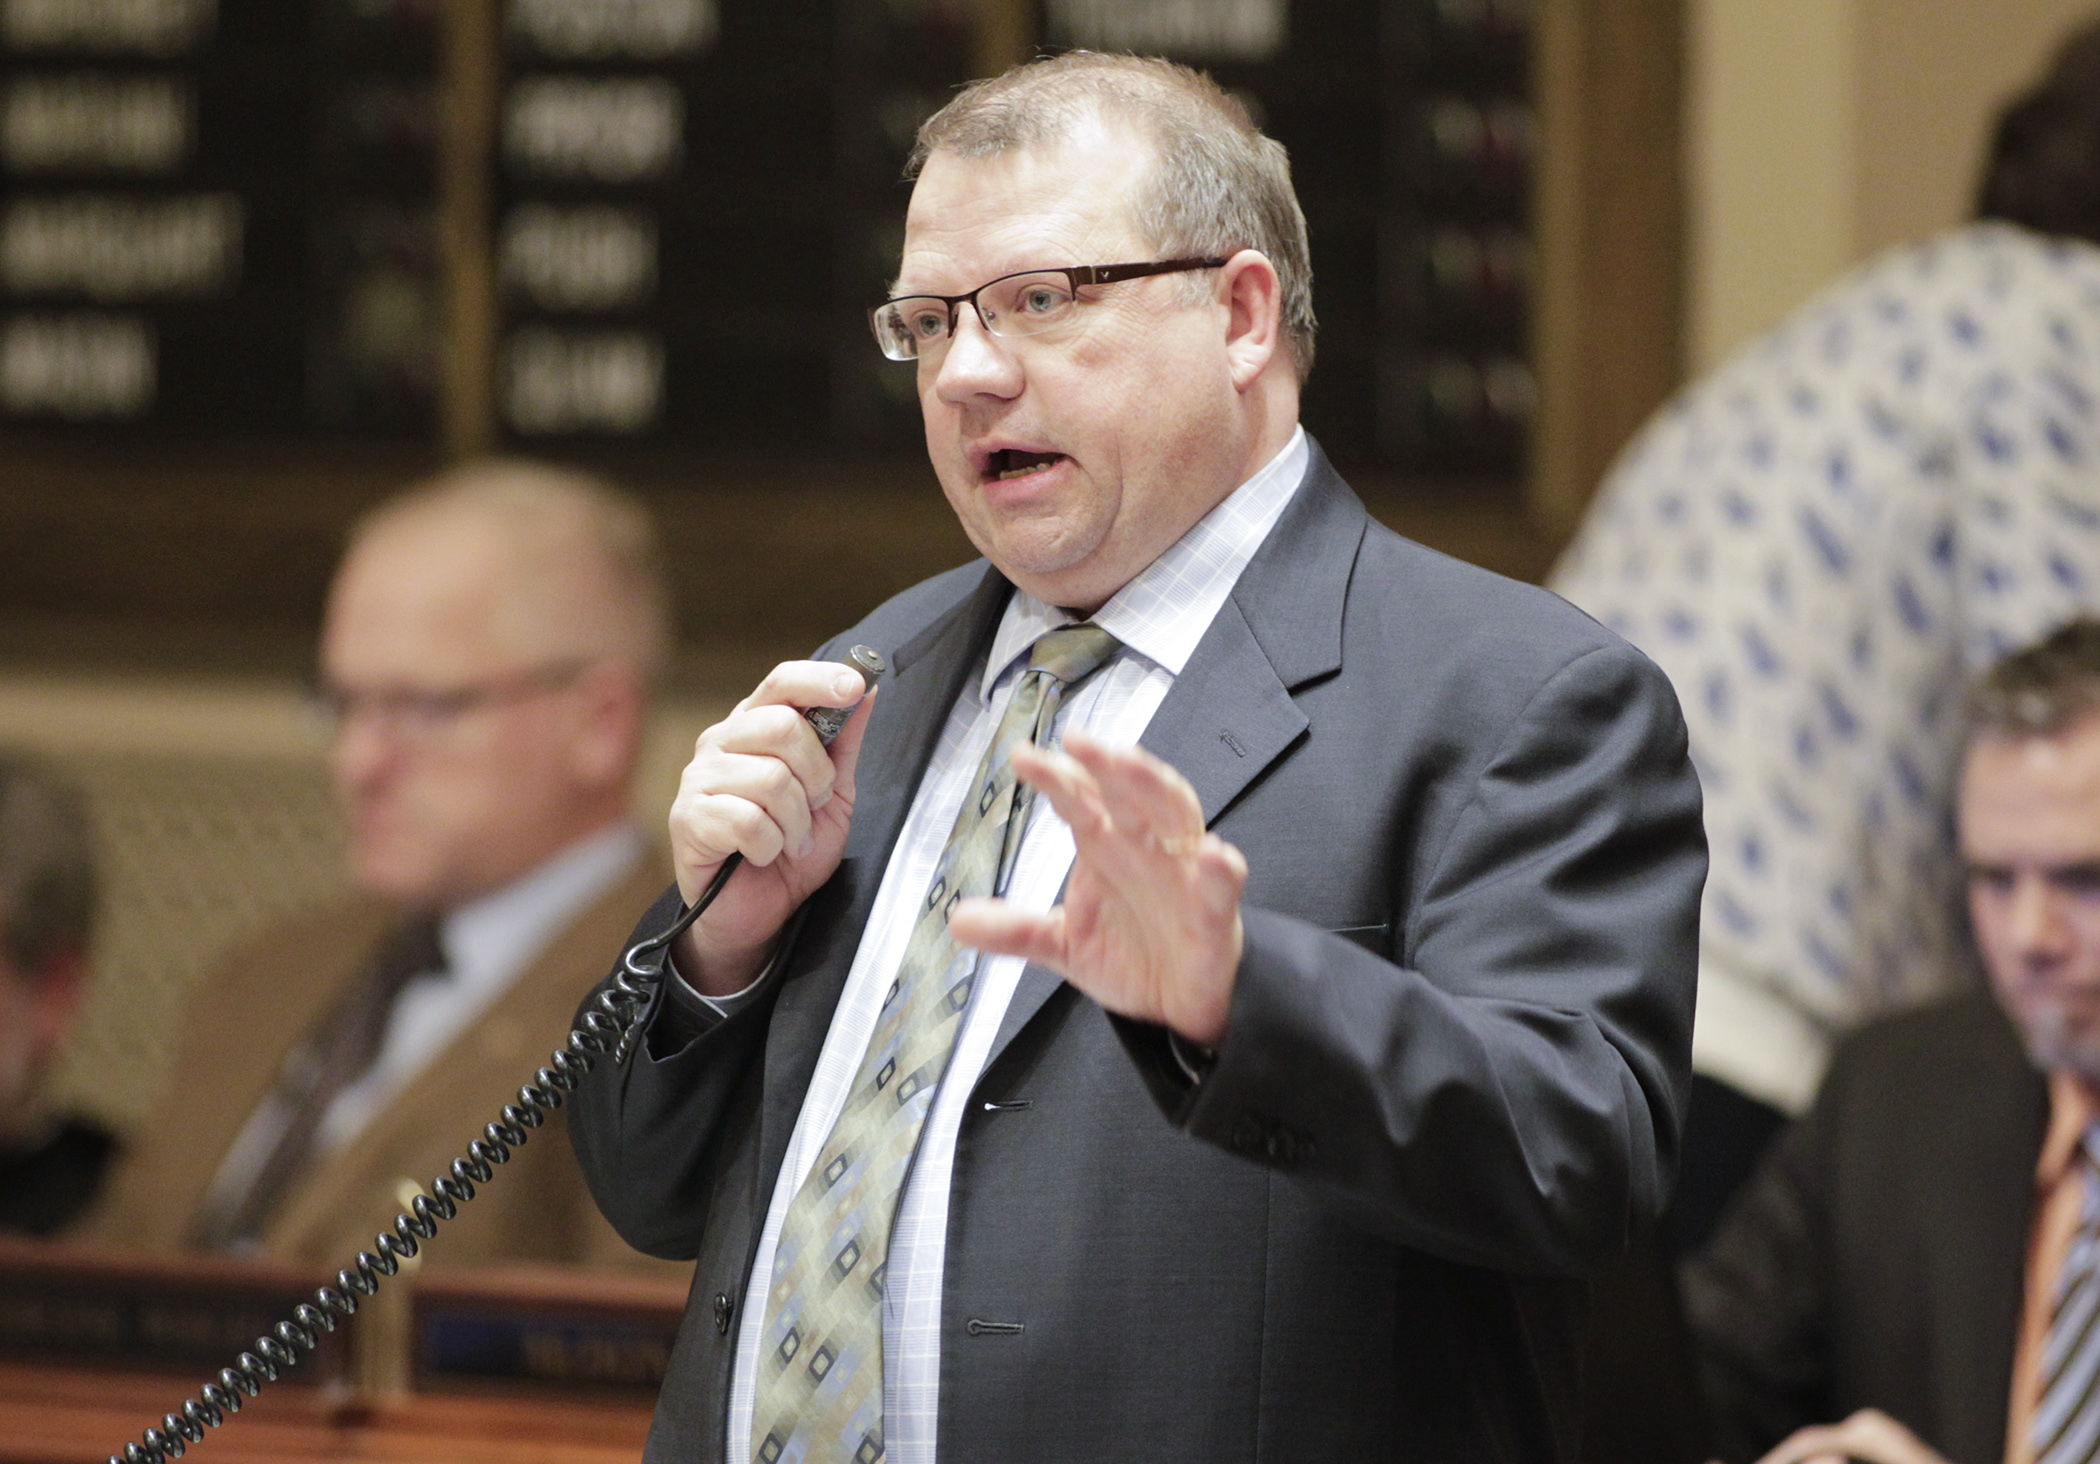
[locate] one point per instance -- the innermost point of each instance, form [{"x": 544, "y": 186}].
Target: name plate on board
[
  {"x": 544, "y": 1329},
  {"x": 74, "y": 1307}
]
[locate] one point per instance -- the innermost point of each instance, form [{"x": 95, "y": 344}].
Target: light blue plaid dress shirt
[
  {"x": 1159, "y": 617},
  {"x": 1822, "y": 544}
]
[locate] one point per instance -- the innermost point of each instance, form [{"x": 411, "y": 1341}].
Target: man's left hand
[
  {"x": 1867, "y": 1437},
  {"x": 1150, "y": 924}
]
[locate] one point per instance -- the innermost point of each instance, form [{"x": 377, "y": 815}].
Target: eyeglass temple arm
[{"x": 1108, "y": 274}]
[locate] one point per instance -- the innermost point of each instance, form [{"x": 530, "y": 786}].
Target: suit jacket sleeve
[
  {"x": 644, "y": 1131},
  {"x": 1502, "y": 1084}
]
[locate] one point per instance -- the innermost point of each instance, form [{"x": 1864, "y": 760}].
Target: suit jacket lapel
[
  {"x": 927, "y": 673},
  {"x": 502, "y": 1045},
  {"x": 1230, "y": 715},
  {"x": 1982, "y": 1253}
]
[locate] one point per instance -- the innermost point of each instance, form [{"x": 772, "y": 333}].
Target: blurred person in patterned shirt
[{"x": 1822, "y": 543}]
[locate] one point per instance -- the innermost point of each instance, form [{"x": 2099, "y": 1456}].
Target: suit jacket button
[
  {"x": 1248, "y": 1135},
  {"x": 724, "y": 1309}
]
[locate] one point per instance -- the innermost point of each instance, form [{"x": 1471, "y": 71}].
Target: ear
[{"x": 1254, "y": 316}]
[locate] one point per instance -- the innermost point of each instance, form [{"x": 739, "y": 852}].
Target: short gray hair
[
  {"x": 2041, "y": 690},
  {"x": 47, "y": 866},
  {"x": 1217, "y": 184},
  {"x": 611, "y": 519}
]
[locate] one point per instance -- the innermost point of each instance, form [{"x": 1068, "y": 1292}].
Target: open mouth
[{"x": 1012, "y": 462}]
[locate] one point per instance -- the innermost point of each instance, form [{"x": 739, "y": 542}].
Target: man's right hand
[
  {"x": 1868, "y": 1436},
  {"x": 762, "y": 784}
]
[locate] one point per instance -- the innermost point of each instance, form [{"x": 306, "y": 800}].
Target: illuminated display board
[{"x": 227, "y": 216}]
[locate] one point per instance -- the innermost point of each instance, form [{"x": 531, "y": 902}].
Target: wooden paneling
[
  {"x": 468, "y": 405},
  {"x": 1610, "y": 314}
]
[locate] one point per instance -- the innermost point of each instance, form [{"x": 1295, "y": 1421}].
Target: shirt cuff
[{"x": 688, "y": 1014}]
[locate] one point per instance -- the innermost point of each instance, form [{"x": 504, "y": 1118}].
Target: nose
[
  {"x": 2036, "y": 918},
  {"x": 365, "y": 746},
  {"x": 975, "y": 363}
]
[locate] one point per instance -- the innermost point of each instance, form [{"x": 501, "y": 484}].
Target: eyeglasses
[
  {"x": 412, "y": 713},
  {"x": 1028, "y": 303}
]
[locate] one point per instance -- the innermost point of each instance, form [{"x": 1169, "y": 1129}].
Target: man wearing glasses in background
[
  {"x": 1316, "y": 1050},
  {"x": 487, "y": 654}
]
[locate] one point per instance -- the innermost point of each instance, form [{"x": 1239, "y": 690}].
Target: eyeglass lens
[{"x": 1015, "y": 305}]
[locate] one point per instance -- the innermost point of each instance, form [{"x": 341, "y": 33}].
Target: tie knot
[
  {"x": 1073, "y": 652},
  {"x": 416, "y": 948}
]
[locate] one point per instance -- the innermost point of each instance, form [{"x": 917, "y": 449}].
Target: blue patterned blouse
[{"x": 1822, "y": 544}]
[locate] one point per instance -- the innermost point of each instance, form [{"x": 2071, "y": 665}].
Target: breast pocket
[{"x": 1372, "y": 938}]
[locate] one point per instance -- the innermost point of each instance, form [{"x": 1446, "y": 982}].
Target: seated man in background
[
  {"x": 51, "y": 1164},
  {"x": 1822, "y": 543},
  {"x": 1926, "y": 1243},
  {"x": 489, "y": 644}
]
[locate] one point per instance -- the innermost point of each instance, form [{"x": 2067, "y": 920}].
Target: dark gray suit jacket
[
  {"x": 1456, "y": 1061},
  {"x": 1879, "y": 1257}
]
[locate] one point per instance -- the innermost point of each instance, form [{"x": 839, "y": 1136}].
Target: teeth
[{"x": 1022, "y": 471}]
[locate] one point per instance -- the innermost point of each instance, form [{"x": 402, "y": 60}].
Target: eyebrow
[{"x": 2082, "y": 869}]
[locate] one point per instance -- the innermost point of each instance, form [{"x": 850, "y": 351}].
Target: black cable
[{"x": 612, "y": 1022}]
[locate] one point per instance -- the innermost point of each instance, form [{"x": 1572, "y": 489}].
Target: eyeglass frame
[
  {"x": 414, "y": 714},
  {"x": 1079, "y": 275}
]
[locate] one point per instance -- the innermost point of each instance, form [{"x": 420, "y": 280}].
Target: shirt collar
[
  {"x": 2071, "y": 1113},
  {"x": 489, "y": 939},
  {"x": 1163, "y": 612}
]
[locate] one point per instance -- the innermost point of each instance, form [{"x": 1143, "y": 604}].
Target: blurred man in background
[
  {"x": 1824, "y": 542},
  {"x": 1926, "y": 1243},
  {"x": 487, "y": 655},
  {"x": 51, "y": 1164}
]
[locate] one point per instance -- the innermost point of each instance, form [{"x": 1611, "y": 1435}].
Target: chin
[
  {"x": 398, "y": 881},
  {"x": 2058, "y": 1042}
]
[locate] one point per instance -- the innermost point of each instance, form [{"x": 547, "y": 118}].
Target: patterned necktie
[
  {"x": 331, "y": 1057},
  {"x": 2067, "y": 1419},
  {"x": 819, "y": 1392}
]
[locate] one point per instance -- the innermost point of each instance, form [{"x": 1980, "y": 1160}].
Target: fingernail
[{"x": 845, "y": 687}]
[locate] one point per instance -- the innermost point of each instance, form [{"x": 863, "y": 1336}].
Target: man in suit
[
  {"x": 1359, "y": 1030},
  {"x": 489, "y": 643},
  {"x": 51, "y": 1163},
  {"x": 1902, "y": 1253}
]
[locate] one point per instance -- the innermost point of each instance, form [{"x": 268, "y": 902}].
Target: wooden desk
[
  {"x": 74, "y": 1416},
  {"x": 575, "y": 1383}
]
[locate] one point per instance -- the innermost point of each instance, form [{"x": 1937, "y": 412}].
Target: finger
[
  {"x": 1125, "y": 854},
  {"x": 773, "y": 730},
  {"x": 1818, "y": 1444},
  {"x": 1003, "y": 929},
  {"x": 1135, "y": 845},
  {"x": 845, "y": 748},
  {"x": 797, "y": 686},
  {"x": 727, "y": 804},
  {"x": 805, "y": 684},
  {"x": 1068, "y": 786},
  {"x": 1223, "y": 873},
  {"x": 1872, "y": 1434},
  {"x": 1148, "y": 795}
]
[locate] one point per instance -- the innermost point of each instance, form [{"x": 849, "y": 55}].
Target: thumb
[{"x": 845, "y": 748}]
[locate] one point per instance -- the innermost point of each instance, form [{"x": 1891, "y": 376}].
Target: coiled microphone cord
[{"x": 612, "y": 1023}]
